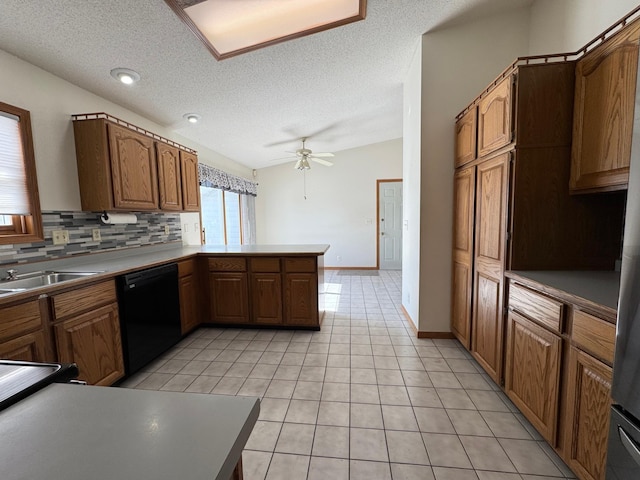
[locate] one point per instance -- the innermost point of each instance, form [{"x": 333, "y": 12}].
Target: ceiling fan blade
[
  {"x": 323, "y": 154},
  {"x": 321, "y": 161},
  {"x": 282, "y": 159}
]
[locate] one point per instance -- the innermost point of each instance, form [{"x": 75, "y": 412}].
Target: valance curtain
[{"x": 214, "y": 178}]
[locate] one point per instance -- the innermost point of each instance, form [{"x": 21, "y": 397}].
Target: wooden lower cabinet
[
  {"x": 229, "y": 297},
  {"x": 31, "y": 347},
  {"x": 265, "y": 290},
  {"x": 266, "y": 298},
  {"x": 589, "y": 401},
  {"x": 189, "y": 295},
  {"x": 87, "y": 332},
  {"x": 301, "y": 299},
  {"x": 23, "y": 333},
  {"x": 532, "y": 376},
  {"x": 92, "y": 341}
]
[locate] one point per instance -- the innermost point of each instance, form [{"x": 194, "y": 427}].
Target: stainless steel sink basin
[{"x": 40, "y": 279}]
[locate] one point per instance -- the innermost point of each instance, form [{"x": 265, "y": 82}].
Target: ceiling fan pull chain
[{"x": 304, "y": 182}]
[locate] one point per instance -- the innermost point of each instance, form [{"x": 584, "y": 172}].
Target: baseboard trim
[
  {"x": 407, "y": 317},
  {"x": 351, "y": 268},
  {"x": 437, "y": 335}
]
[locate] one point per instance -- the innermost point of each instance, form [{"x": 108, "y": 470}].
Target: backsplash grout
[{"x": 149, "y": 230}]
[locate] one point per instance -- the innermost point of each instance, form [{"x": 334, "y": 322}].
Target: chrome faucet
[{"x": 12, "y": 274}]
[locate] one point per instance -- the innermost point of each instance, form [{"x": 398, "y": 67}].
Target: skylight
[{"x": 232, "y": 27}]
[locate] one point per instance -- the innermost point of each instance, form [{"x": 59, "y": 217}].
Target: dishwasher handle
[{"x": 150, "y": 275}]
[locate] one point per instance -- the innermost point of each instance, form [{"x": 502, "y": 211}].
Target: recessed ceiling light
[
  {"x": 191, "y": 117},
  {"x": 125, "y": 75}
]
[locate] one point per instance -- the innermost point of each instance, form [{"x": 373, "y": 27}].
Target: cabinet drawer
[
  {"x": 83, "y": 299},
  {"x": 535, "y": 306},
  {"x": 300, "y": 264},
  {"x": 269, "y": 265},
  {"x": 185, "y": 268},
  {"x": 594, "y": 335},
  {"x": 227, "y": 264},
  {"x": 19, "y": 319}
]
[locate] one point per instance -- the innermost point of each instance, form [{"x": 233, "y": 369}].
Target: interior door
[{"x": 390, "y": 224}]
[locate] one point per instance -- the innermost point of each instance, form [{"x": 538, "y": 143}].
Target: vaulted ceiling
[{"x": 341, "y": 87}]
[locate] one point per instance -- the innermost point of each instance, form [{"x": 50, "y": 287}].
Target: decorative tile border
[{"x": 149, "y": 230}]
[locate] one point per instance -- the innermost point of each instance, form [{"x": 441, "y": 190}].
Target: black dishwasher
[{"x": 149, "y": 314}]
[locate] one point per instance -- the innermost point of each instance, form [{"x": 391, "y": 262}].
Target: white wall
[
  {"x": 567, "y": 25},
  {"x": 340, "y": 208},
  {"x": 51, "y": 102},
  {"x": 412, "y": 95},
  {"x": 457, "y": 63}
]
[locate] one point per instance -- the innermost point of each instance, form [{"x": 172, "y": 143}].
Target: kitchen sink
[{"x": 40, "y": 279}]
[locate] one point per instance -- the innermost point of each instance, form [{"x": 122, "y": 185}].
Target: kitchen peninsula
[{"x": 275, "y": 286}]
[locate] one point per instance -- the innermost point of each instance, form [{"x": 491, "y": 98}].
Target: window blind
[{"x": 14, "y": 197}]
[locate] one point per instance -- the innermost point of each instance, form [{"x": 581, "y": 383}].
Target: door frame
[{"x": 378, "y": 182}]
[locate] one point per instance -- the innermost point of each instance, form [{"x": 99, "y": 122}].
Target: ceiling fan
[{"x": 304, "y": 155}]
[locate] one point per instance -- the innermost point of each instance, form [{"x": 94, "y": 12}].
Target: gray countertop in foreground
[
  {"x": 76, "y": 432},
  {"x": 596, "y": 287}
]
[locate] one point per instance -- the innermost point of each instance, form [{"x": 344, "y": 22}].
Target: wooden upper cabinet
[
  {"x": 466, "y": 136},
  {"x": 495, "y": 118},
  {"x": 603, "y": 114},
  {"x": 123, "y": 167},
  {"x": 133, "y": 167},
  {"x": 464, "y": 198},
  {"x": 169, "y": 177},
  {"x": 190, "y": 184}
]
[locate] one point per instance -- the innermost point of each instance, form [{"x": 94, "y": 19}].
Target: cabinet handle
[{"x": 630, "y": 446}]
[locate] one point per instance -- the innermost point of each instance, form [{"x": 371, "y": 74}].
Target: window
[
  {"x": 227, "y": 217},
  {"x": 20, "y": 218}
]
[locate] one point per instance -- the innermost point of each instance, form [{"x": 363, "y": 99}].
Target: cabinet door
[
  {"x": 190, "y": 185},
  {"x": 301, "y": 299},
  {"x": 229, "y": 297},
  {"x": 589, "y": 401},
  {"x": 169, "y": 177},
  {"x": 494, "y": 118},
  {"x": 92, "y": 341},
  {"x": 490, "y": 238},
  {"x": 188, "y": 304},
  {"x": 133, "y": 168},
  {"x": 463, "y": 211},
  {"x": 532, "y": 377},
  {"x": 466, "y": 135},
  {"x": 603, "y": 115},
  {"x": 266, "y": 298},
  {"x": 31, "y": 347}
]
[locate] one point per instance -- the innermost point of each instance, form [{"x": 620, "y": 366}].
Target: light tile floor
[{"x": 361, "y": 399}]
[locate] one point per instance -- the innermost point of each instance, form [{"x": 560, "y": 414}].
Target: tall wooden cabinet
[
  {"x": 489, "y": 262},
  {"x": 604, "y": 112},
  {"x": 464, "y": 195},
  {"x": 522, "y": 214},
  {"x": 125, "y": 168}
]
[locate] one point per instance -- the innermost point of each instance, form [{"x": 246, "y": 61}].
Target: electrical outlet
[
  {"x": 95, "y": 234},
  {"x": 338, "y": 258},
  {"x": 60, "y": 237},
  {"x": 166, "y": 230}
]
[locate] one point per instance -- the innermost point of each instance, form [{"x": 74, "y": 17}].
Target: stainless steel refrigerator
[{"x": 623, "y": 453}]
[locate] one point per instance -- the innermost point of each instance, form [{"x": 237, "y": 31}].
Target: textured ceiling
[{"x": 341, "y": 87}]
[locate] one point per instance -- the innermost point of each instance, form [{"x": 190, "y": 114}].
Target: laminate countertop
[
  {"x": 76, "y": 432},
  {"x": 598, "y": 289},
  {"x": 119, "y": 262}
]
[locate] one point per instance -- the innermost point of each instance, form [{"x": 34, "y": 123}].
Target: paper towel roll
[{"x": 117, "y": 218}]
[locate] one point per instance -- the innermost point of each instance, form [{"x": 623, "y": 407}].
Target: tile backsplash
[{"x": 149, "y": 230}]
